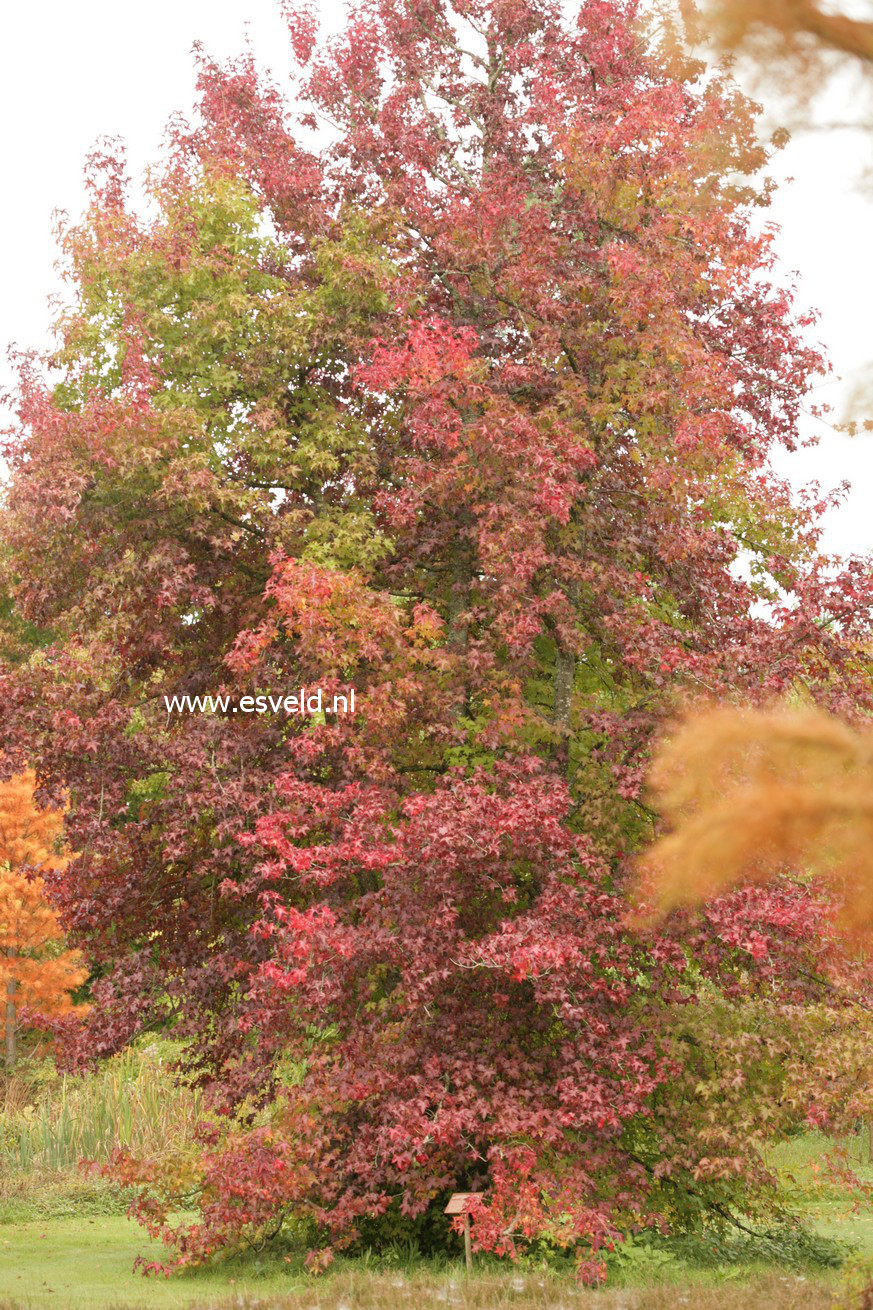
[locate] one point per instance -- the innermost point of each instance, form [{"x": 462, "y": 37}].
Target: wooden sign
[
  {"x": 458, "y": 1205},
  {"x": 458, "y": 1200}
]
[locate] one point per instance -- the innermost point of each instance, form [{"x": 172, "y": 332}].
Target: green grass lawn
[
  {"x": 832, "y": 1213},
  {"x": 89, "y": 1262},
  {"x": 86, "y": 1264}
]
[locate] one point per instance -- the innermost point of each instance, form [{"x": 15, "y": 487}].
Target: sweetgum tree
[{"x": 469, "y": 409}]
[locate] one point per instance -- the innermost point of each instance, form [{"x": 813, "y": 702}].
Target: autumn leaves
[{"x": 36, "y": 970}]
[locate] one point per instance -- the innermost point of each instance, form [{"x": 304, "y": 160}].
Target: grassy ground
[{"x": 86, "y": 1264}]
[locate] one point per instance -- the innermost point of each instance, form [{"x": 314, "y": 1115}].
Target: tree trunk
[
  {"x": 565, "y": 670},
  {"x": 461, "y": 577},
  {"x": 565, "y": 676},
  {"x": 11, "y": 1025},
  {"x": 457, "y": 634}
]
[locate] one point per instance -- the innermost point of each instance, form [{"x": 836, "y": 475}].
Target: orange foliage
[
  {"x": 795, "y": 22},
  {"x": 35, "y": 969},
  {"x": 749, "y": 794},
  {"x": 28, "y": 836}
]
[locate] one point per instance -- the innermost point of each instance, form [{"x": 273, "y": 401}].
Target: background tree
[{"x": 35, "y": 970}]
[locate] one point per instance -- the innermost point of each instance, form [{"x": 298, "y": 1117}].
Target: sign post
[{"x": 458, "y": 1205}]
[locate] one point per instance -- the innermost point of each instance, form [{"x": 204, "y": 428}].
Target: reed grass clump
[{"x": 51, "y": 1122}]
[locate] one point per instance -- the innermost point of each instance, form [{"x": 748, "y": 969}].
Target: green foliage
[
  {"x": 66, "y": 1194},
  {"x": 792, "y": 1247},
  {"x": 427, "y": 1235},
  {"x": 19, "y": 636},
  {"x": 640, "y": 1259}
]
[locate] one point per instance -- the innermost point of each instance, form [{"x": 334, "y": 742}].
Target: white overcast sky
[{"x": 70, "y": 72}]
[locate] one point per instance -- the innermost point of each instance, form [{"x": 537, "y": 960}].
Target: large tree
[{"x": 471, "y": 410}]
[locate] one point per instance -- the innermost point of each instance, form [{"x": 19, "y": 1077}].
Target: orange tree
[{"x": 35, "y": 968}]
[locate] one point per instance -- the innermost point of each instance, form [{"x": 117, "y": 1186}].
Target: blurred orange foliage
[
  {"x": 751, "y": 794},
  {"x": 795, "y": 22}
]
